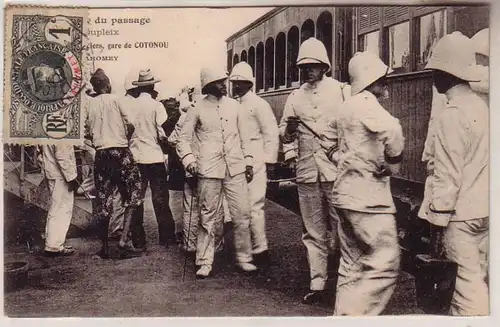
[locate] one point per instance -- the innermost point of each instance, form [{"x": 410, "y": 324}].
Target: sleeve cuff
[
  {"x": 438, "y": 219},
  {"x": 271, "y": 158},
  {"x": 70, "y": 177},
  {"x": 290, "y": 154},
  {"x": 248, "y": 161},
  {"x": 187, "y": 160}
]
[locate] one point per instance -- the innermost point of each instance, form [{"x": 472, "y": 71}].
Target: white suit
[
  {"x": 369, "y": 267},
  {"x": 316, "y": 105},
  {"x": 215, "y": 136},
  {"x": 459, "y": 183},
  {"x": 60, "y": 168},
  {"x": 264, "y": 143}
]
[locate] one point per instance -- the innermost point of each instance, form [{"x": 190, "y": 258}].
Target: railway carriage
[{"x": 403, "y": 36}]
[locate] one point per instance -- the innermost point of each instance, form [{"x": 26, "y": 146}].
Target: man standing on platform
[
  {"x": 308, "y": 110},
  {"x": 264, "y": 136},
  {"x": 215, "y": 146},
  {"x": 59, "y": 165}
]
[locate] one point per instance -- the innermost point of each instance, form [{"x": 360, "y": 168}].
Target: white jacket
[
  {"x": 262, "y": 128},
  {"x": 59, "y": 162},
  {"x": 460, "y": 179},
  {"x": 316, "y": 106},
  {"x": 215, "y": 136},
  {"x": 369, "y": 140}
]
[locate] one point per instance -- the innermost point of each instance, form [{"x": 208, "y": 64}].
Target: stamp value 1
[{"x": 44, "y": 75}]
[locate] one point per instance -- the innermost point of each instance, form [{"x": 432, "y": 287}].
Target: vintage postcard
[
  {"x": 288, "y": 161},
  {"x": 44, "y": 61}
]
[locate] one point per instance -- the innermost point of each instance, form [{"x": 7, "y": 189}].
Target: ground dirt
[{"x": 154, "y": 285}]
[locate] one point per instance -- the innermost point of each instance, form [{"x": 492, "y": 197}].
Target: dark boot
[
  {"x": 314, "y": 297},
  {"x": 262, "y": 259}
]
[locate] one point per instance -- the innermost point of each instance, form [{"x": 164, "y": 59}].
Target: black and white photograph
[{"x": 292, "y": 161}]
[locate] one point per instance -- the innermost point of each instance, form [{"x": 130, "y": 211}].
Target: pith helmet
[
  {"x": 454, "y": 54},
  {"x": 364, "y": 69},
  {"x": 481, "y": 42},
  {"x": 208, "y": 76},
  {"x": 242, "y": 72},
  {"x": 313, "y": 51}
]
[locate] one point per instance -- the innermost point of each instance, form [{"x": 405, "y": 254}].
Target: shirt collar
[
  {"x": 145, "y": 95},
  {"x": 368, "y": 95},
  {"x": 246, "y": 97},
  {"x": 458, "y": 91},
  {"x": 213, "y": 99},
  {"x": 316, "y": 85}
]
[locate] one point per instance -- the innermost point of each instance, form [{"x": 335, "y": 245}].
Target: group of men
[{"x": 345, "y": 147}]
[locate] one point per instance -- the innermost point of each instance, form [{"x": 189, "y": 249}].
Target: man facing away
[
  {"x": 264, "y": 136},
  {"x": 216, "y": 129},
  {"x": 114, "y": 166},
  {"x": 149, "y": 121},
  {"x": 370, "y": 149},
  {"x": 59, "y": 166},
  {"x": 306, "y": 115},
  {"x": 456, "y": 196}
]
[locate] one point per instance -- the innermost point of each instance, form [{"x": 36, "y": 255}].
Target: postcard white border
[{"x": 387, "y": 321}]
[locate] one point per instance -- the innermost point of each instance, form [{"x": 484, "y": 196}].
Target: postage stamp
[{"x": 44, "y": 63}]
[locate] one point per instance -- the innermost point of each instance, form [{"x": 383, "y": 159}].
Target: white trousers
[
  {"x": 369, "y": 266},
  {"x": 313, "y": 197},
  {"x": 466, "y": 243},
  {"x": 257, "y": 192},
  {"x": 211, "y": 193},
  {"x": 191, "y": 221},
  {"x": 191, "y": 218},
  {"x": 59, "y": 215},
  {"x": 176, "y": 204}
]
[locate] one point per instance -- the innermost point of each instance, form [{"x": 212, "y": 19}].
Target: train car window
[
  {"x": 324, "y": 28},
  {"x": 399, "y": 47},
  {"x": 280, "y": 60},
  {"x": 269, "y": 64},
  {"x": 251, "y": 59},
  {"x": 370, "y": 42},
  {"x": 259, "y": 67},
  {"x": 244, "y": 56},
  {"x": 230, "y": 59},
  {"x": 291, "y": 56},
  {"x": 307, "y": 30},
  {"x": 432, "y": 28}
]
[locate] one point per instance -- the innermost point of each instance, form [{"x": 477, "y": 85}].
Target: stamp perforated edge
[{"x": 9, "y": 10}]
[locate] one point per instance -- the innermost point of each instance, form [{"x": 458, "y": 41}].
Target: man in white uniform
[
  {"x": 457, "y": 202},
  {"x": 314, "y": 104},
  {"x": 59, "y": 166},
  {"x": 371, "y": 143},
  {"x": 481, "y": 41},
  {"x": 215, "y": 146},
  {"x": 264, "y": 136}
]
